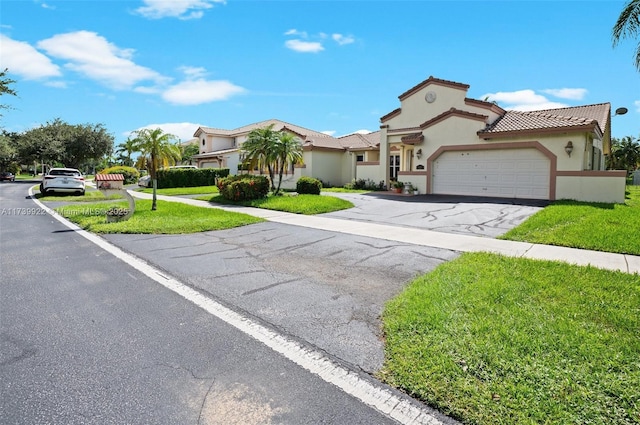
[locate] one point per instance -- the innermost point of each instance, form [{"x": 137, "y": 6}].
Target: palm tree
[
  {"x": 628, "y": 25},
  {"x": 287, "y": 153},
  {"x": 124, "y": 150},
  {"x": 157, "y": 149},
  {"x": 188, "y": 152},
  {"x": 629, "y": 153},
  {"x": 257, "y": 150},
  {"x": 625, "y": 154}
]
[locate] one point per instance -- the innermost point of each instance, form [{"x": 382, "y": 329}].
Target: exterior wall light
[
  {"x": 419, "y": 153},
  {"x": 569, "y": 148}
]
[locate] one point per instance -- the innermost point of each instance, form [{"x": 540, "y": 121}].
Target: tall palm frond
[{"x": 628, "y": 26}]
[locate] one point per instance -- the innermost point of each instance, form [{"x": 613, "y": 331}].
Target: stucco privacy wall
[
  {"x": 326, "y": 165},
  {"x": 592, "y": 186},
  {"x": 368, "y": 171}
]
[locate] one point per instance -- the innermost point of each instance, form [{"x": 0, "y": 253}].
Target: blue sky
[{"x": 331, "y": 66}]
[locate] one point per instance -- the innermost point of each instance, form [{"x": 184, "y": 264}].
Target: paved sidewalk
[{"x": 423, "y": 237}]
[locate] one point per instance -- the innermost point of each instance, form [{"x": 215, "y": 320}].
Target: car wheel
[
  {"x": 43, "y": 191},
  {"x": 81, "y": 193}
]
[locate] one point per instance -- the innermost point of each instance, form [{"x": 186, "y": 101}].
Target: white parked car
[
  {"x": 144, "y": 181},
  {"x": 64, "y": 180}
]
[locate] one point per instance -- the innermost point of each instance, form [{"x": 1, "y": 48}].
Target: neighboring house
[
  {"x": 330, "y": 159},
  {"x": 443, "y": 142}
]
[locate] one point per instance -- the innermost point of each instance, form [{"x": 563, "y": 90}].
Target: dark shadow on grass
[
  {"x": 455, "y": 199},
  {"x": 599, "y": 205}
]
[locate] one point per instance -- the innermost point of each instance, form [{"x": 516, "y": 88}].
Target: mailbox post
[{"x": 109, "y": 184}]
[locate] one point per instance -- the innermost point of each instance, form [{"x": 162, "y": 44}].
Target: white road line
[{"x": 400, "y": 408}]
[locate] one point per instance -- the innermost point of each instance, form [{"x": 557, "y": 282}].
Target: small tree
[
  {"x": 287, "y": 152},
  {"x": 125, "y": 150},
  {"x": 189, "y": 151},
  {"x": 257, "y": 150},
  {"x": 625, "y": 154},
  {"x": 157, "y": 149},
  {"x": 4, "y": 87}
]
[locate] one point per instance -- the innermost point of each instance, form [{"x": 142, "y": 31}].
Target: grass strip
[
  {"x": 489, "y": 339},
  {"x": 169, "y": 218},
  {"x": 596, "y": 226},
  {"x": 175, "y": 191},
  {"x": 299, "y": 204},
  {"x": 89, "y": 196}
]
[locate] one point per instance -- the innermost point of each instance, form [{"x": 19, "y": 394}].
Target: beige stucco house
[
  {"x": 330, "y": 159},
  {"x": 443, "y": 142}
]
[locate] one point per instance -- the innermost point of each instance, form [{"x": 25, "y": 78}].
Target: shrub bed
[
  {"x": 308, "y": 186},
  {"x": 243, "y": 187},
  {"x": 131, "y": 175},
  {"x": 190, "y": 177}
]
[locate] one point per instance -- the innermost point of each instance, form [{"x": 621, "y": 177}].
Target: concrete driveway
[
  {"x": 321, "y": 286},
  {"x": 488, "y": 217}
]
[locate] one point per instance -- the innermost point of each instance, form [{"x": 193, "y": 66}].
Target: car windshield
[{"x": 68, "y": 173}]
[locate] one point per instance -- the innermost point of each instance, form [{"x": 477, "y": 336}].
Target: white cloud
[
  {"x": 329, "y": 132},
  {"x": 56, "y": 84},
  {"x": 295, "y": 32},
  {"x": 23, "y": 59},
  {"x": 637, "y": 105},
  {"x": 148, "y": 90},
  {"x": 195, "y": 92},
  {"x": 565, "y": 93},
  {"x": 183, "y": 130},
  {"x": 342, "y": 39},
  {"x": 522, "y": 100},
  {"x": 304, "y": 46},
  {"x": 96, "y": 58},
  {"x": 181, "y": 9},
  {"x": 192, "y": 72}
]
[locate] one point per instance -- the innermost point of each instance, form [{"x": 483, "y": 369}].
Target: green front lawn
[
  {"x": 299, "y": 204},
  {"x": 489, "y": 339},
  {"x": 89, "y": 196},
  {"x": 169, "y": 218},
  {"x": 175, "y": 191},
  {"x": 600, "y": 227}
]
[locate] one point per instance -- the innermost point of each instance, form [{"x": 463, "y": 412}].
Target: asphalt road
[{"x": 87, "y": 339}]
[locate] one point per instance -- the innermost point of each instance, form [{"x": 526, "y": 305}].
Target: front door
[{"x": 394, "y": 166}]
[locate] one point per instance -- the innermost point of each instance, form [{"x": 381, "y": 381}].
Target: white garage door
[{"x": 504, "y": 173}]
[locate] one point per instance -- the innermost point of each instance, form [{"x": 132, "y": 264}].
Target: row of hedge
[{"x": 190, "y": 177}]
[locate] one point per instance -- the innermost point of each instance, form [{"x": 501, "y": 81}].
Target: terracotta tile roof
[
  {"x": 358, "y": 141},
  {"x": 413, "y": 138},
  {"x": 588, "y": 117},
  {"x": 433, "y": 80},
  {"x": 215, "y": 153},
  {"x": 109, "y": 177},
  {"x": 391, "y": 114},
  {"x": 453, "y": 112},
  {"x": 277, "y": 126}
]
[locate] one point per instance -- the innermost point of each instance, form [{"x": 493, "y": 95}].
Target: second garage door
[{"x": 504, "y": 173}]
